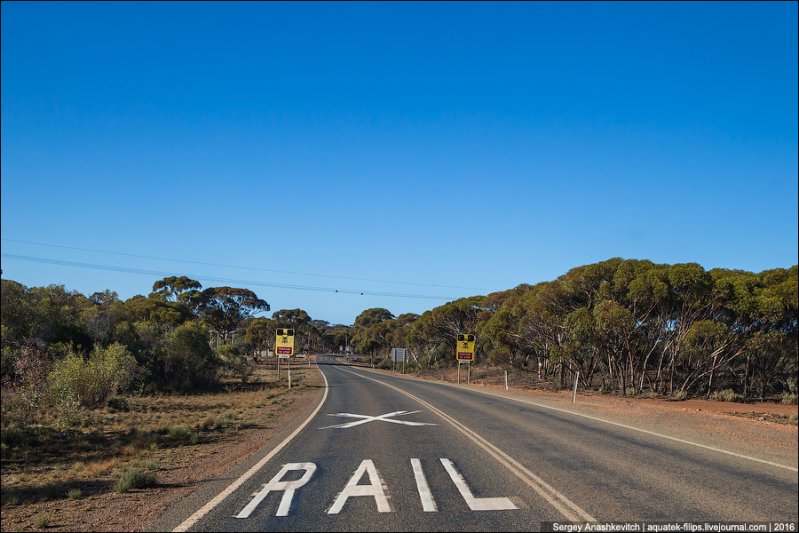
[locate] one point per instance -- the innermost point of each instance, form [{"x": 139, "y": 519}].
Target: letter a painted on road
[{"x": 374, "y": 489}]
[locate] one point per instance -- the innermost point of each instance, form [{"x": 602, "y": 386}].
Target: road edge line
[{"x": 216, "y": 500}]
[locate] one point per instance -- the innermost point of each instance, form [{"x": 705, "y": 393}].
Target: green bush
[
  {"x": 90, "y": 382},
  {"x": 187, "y": 361},
  {"x": 789, "y": 398},
  {"x": 134, "y": 479}
]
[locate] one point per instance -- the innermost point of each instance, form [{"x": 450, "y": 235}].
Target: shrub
[
  {"x": 236, "y": 364},
  {"x": 178, "y": 432},
  {"x": 188, "y": 362},
  {"x": 725, "y": 395},
  {"x": 679, "y": 395},
  {"x": 74, "y": 494},
  {"x": 224, "y": 420},
  {"x": 789, "y": 398},
  {"x": 42, "y": 522},
  {"x": 90, "y": 382},
  {"x": 134, "y": 479},
  {"x": 147, "y": 464},
  {"x": 30, "y": 371}
]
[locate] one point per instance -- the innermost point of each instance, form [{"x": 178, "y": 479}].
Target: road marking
[
  {"x": 276, "y": 485},
  {"x": 205, "y": 509},
  {"x": 625, "y": 426},
  {"x": 428, "y": 502},
  {"x": 559, "y": 501},
  {"x": 376, "y": 488},
  {"x": 383, "y": 418},
  {"x": 475, "y": 504}
]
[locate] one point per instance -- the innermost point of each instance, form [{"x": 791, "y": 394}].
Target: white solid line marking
[
  {"x": 559, "y": 501},
  {"x": 205, "y": 509},
  {"x": 646, "y": 431},
  {"x": 428, "y": 502},
  {"x": 589, "y": 417},
  {"x": 475, "y": 504}
]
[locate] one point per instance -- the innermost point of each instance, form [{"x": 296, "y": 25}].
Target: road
[{"x": 385, "y": 453}]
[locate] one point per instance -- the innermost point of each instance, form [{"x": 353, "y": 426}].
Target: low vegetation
[{"x": 113, "y": 449}]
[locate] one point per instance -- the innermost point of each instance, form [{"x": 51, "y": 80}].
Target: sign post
[
  {"x": 398, "y": 355},
  {"x": 464, "y": 353}
]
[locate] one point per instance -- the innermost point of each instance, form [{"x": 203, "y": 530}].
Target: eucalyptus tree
[{"x": 224, "y": 308}]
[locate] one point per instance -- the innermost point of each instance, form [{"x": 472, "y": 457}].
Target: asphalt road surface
[{"x": 384, "y": 453}]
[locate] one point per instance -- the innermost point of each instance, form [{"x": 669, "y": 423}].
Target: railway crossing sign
[
  {"x": 284, "y": 342},
  {"x": 464, "y": 348}
]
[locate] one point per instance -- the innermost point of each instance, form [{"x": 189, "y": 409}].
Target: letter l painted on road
[
  {"x": 276, "y": 485},
  {"x": 474, "y": 503}
]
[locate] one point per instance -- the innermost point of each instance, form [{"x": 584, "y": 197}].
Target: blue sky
[{"x": 442, "y": 149}]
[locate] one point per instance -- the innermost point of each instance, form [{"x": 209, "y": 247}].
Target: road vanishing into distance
[{"x": 386, "y": 453}]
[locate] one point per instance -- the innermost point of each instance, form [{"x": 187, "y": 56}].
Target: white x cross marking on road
[{"x": 385, "y": 418}]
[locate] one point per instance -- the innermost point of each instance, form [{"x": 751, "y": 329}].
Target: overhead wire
[
  {"x": 261, "y": 269},
  {"x": 131, "y": 270}
]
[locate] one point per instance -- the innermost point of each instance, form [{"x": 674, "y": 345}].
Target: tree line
[
  {"x": 627, "y": 326},
  {"x": 64, "y": 350}
]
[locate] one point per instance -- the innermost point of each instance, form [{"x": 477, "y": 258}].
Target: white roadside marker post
[
  {"x": 506, "y": 380},
  {"x": 574, "y": 394}
]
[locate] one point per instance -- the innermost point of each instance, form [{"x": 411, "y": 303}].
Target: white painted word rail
[{"x": 376, "y": 488}]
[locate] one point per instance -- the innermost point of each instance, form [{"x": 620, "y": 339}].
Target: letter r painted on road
[{"x": 277, "y": 485}]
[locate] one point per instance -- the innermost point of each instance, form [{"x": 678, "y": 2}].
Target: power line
[
  {"x": 260, "y": 269},
  {"x": 129, "y": 270}
]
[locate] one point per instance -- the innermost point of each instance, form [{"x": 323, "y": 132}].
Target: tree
[
  {"x": 176, "y": 288},
  {"x": 260, "y": 334},
  {"x": 372, "y": 316},
  {"x": 186, "y": 360},
  {"x": 163, "y": 313},
  {"x": 223, "y": 308}
]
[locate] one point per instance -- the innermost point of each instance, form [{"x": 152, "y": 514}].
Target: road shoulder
[{"x": 704, "y": 422}]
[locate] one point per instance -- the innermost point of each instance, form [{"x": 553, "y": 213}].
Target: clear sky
[{"x": 423, "y": 149}]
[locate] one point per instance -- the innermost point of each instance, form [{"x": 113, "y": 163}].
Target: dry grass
[{"x": 44, "y": 461}]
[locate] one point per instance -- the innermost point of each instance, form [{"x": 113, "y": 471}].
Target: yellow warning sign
[
  {"x": 284, "y": 342},
  {"x": 464, "y": 347}
]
